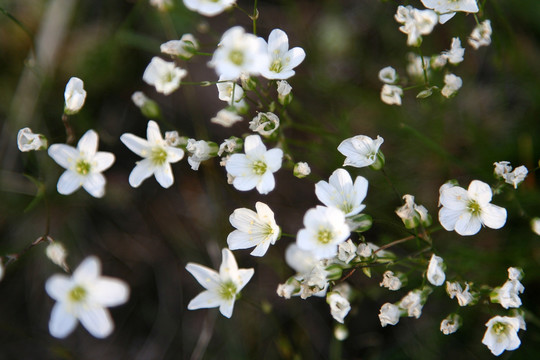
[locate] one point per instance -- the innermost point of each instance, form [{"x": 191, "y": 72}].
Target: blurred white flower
[
  {"x": 184, "y": 48},
  {"x": 412, "y": 303},
  {"x": 209, "y": 7},
  {"x": 221, "y": 288},
  {"x": 226, "y": 118},
  {"x": 301, "y": 169},
  {"x": 325, "y": 228},
  {"x": 388, "y": 75},
  {"x": 157, "y": 154},
  {"x": 283, "y": 88},
  {"x": 517, "y": 176},
  {"x": 253, "y": 229},
  {"x": 231, "y": 92},
  {"x": 452, "y": 84},
  {"x": 172, "y": 138},
  {"x": 451, "y": 324},
  {"x": 83, "y": 165},
  {"x": 346, "y": 251},
  {"x": 84, "y": 297},
  {"x": 230, "y": 145},
  {"x": 447, "y": 8},
  {"x": 282, "y": 60},
  {"x": 360, "y": 150},
  {"x": 57, "y": 254},
  {"x": 391, "y": 281},
  {"x": 264, "y": 123},
  {"x": 389, "y": 314},
  {"x": 456, "y": 52},
  {"x": 200, "y": 150},
  {"x": 165, "y": 76},
  {"x": 340, "y": 192},
  {"x": 28, "y": 141},
  {"x": 502, "y": 168},
  {"x": 464, "y": 297},
  {"x": 255, "y": 168},
  {"x": 391, "y": 94},
  {"x": 435, "y": 271},
  {"x": 339, "y": 306},
  {"x": 501, "y": 334},
  {"x": 415, "y": 23},
  {"x": 508, "y": 294},
  {"x": 481, "y": 35},
  {"x": 415, "y": 66},
  {"x": 465, "y": 211},
  {"x": 74, "y": 96}
]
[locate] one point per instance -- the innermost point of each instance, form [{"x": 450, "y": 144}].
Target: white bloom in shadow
[
  {"x": 360, "y": 150},
  {"x": 501, "y": 334},
  {"x": 340, "y": 192},
  {"x": 165, "y": 76},
  {"x": 282, "y": 60},
  {"x": 84, "y": 297},
  {"x": 83, "y": 165},
  {"x": 221, "y": 288},
  {"x": 157, "y": 154},
  {"x": 209, "y": 7}
]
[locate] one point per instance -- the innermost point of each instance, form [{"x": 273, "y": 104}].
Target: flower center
[
  {"x": 158, "y": 156},
  {"x": 83, "y": 167},
  {"x": 499, "y": 328},
  {"x": 77, "y": 294},
  {"x": 236, "y": 57},
  {"x": 324, "y": 236},
  {"x": 474, "y": 208},
  {"x": 276, "y": 66},
  {"x": 259, "y": 167},
  {"x": 227, "y": 290}
]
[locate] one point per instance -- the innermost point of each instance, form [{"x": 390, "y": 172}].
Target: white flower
[
  {"x": 447, "y": 8},
  {"x": 435, "y": 271},
  {"x": 209, "y": 7},
  {"x": 517, "y": 176},
  {"x": 415, "y": 23},
  {"x": 229, "y": 145},
  {"x": 388, "y": 75},
  {"x": 451, "y": 324},
  {"x": 84, "y": 297},
  {"x": 502, "y": 168},
  {"x": 415, "y": 66},
  {"x": 456, "y": 52},
  {"x": 515, "y": 273},
  {"x": 255, "y": 168},
  {"x": 283, "y": 88},
  {"x": 339, "y": 306},
  {"x": 157, "y": 156},
  {"x": 301, "y": 169},
  {"x": 74, "y": 96},
  {"x": 231, "y": 92},
  {"x": 172, "y": 138},
  {"x": 465, "y": 211},
  {"x": 28, "y": 141},
  {"x": 501, "y": 334},
  {"x": 183, "y": 48},
  {"x": 302, "y": 261},
  {"x": 508, "y": 294},
  {"x": 200, "y": 151},
  {"x": 452, "y": 84},
  {"x": 366, "y": 250},
  {"x": 535, "y": 225},
  {"x": 325, "y": 228},
  {"x": 389, "y": 314},
  {"x": 340, "y": 192},
  {"x": 264, "y": 123},
  {"x": 139, "y": 99},
  {"x": 282, "y": 60},
  {"x": 412, "y": 214},
  {"x": 391, "y": 94},
  {"x": 481, "y": 35},
  {"x": 360, "y": 150},
  {"x": 390, "y": 281},
  {"x": 226, "y": 118},
  {"x": 57, "y": 254},
  {"x": 239, "y": 52},
  {"x": 83, "y": 165},
  {"x": 221, "y": 288},
  {"x": 254, "y": 229},
  {"x": 464, "y": 297},
  {"x": 347, "y": 251},
  {"x": 165, "y": 76},
  {"x": 412, "y": 303}
]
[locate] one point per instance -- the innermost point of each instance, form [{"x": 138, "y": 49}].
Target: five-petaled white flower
[
  {"x": 361, "y": 150},
  {"x": 282, "y": 60},
  {"x": 257, "y": 229},
  {"x": 74, "y": 96},
  {"x": 184, "y": 48},
  {"x": 157, "y": 156},
  {"x": 221, "y": 288},
  {"x": 83, "y": 165},
  {"x": 209, "y": 7},
  {"x": 465, "y": 211},
  {"x": 84, "y": 297},
  {"x": 325, "y": 228},
  {"x": 340, "y": 192},
  {"x": 255, "y": 168},
  {"x": 501, "y": 334},
  {"x": 165, "y": 76}
]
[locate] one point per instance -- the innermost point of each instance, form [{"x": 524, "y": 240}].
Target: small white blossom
[
  {"x": 456, "y": 52},
  {"x": 502, "y": 168},
  {"x": 412, "y": 214},
  {"x": 452, "y": 84},
  {"x": 481, "y": 35},
  {"x": 229, "y": 145},
  {"x": 221, "y": 288},
  {"x": 200, "y": 151},
  {"x": 517, "y": 176},
  {"x": 57, "y": 254},
  {"x": 172, "y": 138},
  {"x": 301, "y": 169},
  {"x": 415, "y": 23},
  {"x": 435, "y": 271},
  {"x": 28, "y": 141},
  {"x": 282, "y": 60},
  {"x": 447, "y": 8},
  {"x": 451, "y": 324},
  {"x": 74, "y": 96},
  {"x": 367, "y": 250},
  {"x": 390, "y": 281},
  {"x": 412, "y": 303},
  {"x": 83, "y": 165},
  {"x": 389, "y": 314},
  {"x": 416, "y": 64},
  {"x": 264, "y": 123},
  {"x": 346, "y": 251},
  {"x": 340, "y": 192},
  {"x": 165, "y": 76},
  {"x": 464, "y": 297},
  {"x": 341, "y": 332},
  {"x": 515, "y": 273},
  {"x": 226, "y": 118},
  {"x": 339, "y": 306},
  {"x": 360, "y": 150},
  {"x": 253, "y": 229},
  {"x": 388, "y": 75},
  {"x": 465, "y": 211},
  {"x": 391, "y": 94},
  {"x": 157, "y": 154},
  {"x": 501, "y": 334},
  {"x": 84, "y": 297},
  {"x": 231, "y": 92},
  {"x": 209, "y": 7},
  {"x": 508, "y": 294},
  {"x": 183, "y": 48},
  {"x": 255, "y": 168},
  {"x": 139, "y": 99},
  {"x": 283, "y": 88}
]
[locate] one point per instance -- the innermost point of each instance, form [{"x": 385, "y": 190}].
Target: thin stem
[
  {"x": 254, "y": 17},
  {"x": 70, "y": 134},
  {"x": 424, "y": 68}
]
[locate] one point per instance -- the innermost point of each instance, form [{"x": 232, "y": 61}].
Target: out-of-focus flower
[
  {"x": 230, "y": 145},
  {"x": 481, "y": 35},
  {"x": 415, "y": 23},
  {"x": 388, "y": 75},
  {"x": 282, "y": 60},
  {"x": 435, "y": 271},
  {"x": 183, "y": 48},
  {"x": 347, "y": 251},
  {"x": 393, "y": 282},
  {"x": 361, "y": 151},
  {"x": 451, "y": 324},
  {"x": 502, "y": 168},
  {"x": 226, "y": 118},
  {"x": 508, "y": 294},
  {"x": 200, "y": 150},
  {"x": 172, "y": 138},
  {"x": 264, "y": 123},
  {"x": 340, "y": 192},
  {"x": 162, "y": 5},
  {"x": 535, "y": 225},
  {"x": 339, "y": 305},
  {"x": 501, "y": 334},
  {"x": 416, "y": 64},
  {"x": 209, "y": 7},
  {"x": 165, "y": 76},
  {"x": 456, "y": 52},
  {"x": 301, "y": 169},
  {"x": 464, "y": 297},
  {"x": 412, "y": 214},
  {"x": 74, "y": 96},
  {"x": 452, "y": 84},
  {"x": 517, "y": 176},
  {"x": 149, "y": 108},
  {"x": 448, "y": 8},
  {"x": 28, "y": 141},
  {"x": 57, "y": 254},
  {"x": 389, "y": 314},
  {"x": 391, "y": 94}
]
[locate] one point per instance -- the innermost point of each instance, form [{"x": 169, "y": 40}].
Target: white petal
[
  {"x": 254, "y": 147},
  {"x": 64, "y": 155},
  {"x": 239, "y": 165},
  {"x": 61, "y": 323},
  {"x": 88, "y": 143},
  {"x": 57, "y": 286},
  {"x": 273, "y": 159},
  {"x": 174, "y": 154},
  {"x": 278, "y": 42},
  {"x": 226, "y": 308},
  {"x": 164, "y": 175},
  {"x": 455, "y": 198},
  {"x": 88, "y": 271},
  {"x": 142, "y": 171},
  {"x": 245, "y": 183},
  {"x": 97, "y": 321},
  {"x": 103, "y": 160},
  {"x": 244, "y": 276},
  {"x": 207, "y": 277},
  {"x": 109, "y": 292},
  {"x": 261, "y": 249},
  {"x": 266, "y": 183},
  {"x": 68, "y": 182},
  {"x": 296, "y": 55},
  {"x": 240, "y": 240},
  {"x": 243, "y": 219},
  {"x": 480, "y": 191},
  {"x": 493, "y": 216},
  {"x": 229, "y": 267},
  {"x": 468, "y": 224},
  {"x": 448, "y": 218},
  {"x": 95, "y": 184},
  {"x": 206, "y": 299},
  {"x": 325, "y": 193},
  {"x": 136, "y": 144},
  {"x": 153, "y": 133}
]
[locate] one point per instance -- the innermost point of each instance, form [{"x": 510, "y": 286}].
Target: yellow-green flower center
[
  {"x": 236, "y": 57},
  {"x": 158, "y": 156},
  {"x": 499, "y": 328},
  {"x": 259, "y": 167},
  {"x": 83, "y": 167},
  {"x": 227, "y": 290},
  {"x": 474, "y": 208},
  {"x": 276, "y": 66},
  {"x": 324, "y": 236},
  {"x": 77, "y": 294}
]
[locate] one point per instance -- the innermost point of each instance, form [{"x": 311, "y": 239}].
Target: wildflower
[
  {"x": 465, "y": 211},
  {"x": 28, "y": 141},
  {"x": 284, "y": 92},
  {"x": 481, "y": 35},
  {"x": 231, "y": 92},
  {"x": 508, "y": 294},
  {"x": 282, "y": 60},
  {"x": 325, "y": 228},
  {"x": 452, "y": 84},
  {"x": 447, "y": 8},
  {"x": 388, "y": 75},
  {"x": 393, "y": 282},
  {"x": 456, "y": 52},
  {"x": 172, "y": 138},
  {"x": 435, "y": 271},
  {"x": 84, "y": 297},
  {"x": 517, "y": 176},
  {"x": 255, "y": 168},
  {"x": 341, "y": 332},
  {"x": 209, "y": 7},
  {"x": 340, "y": 192},
  {"x": 346, "y": 251},
  {"x": 451, "y": 324},
  {"x": 501, "y": 334},
  {"x": 301, "y": 169},
  {"x": 391, "y": 94},
  {"x": 389, "y": 314},
  {"x": 264, "y": 123},
  {"x": 416, "y": 66},
  {"x": 226, "y": 118},
  {"x": 221, "y": 288},
  {"x": 339, "y": 305},
  {"x": 412, "y": 303},
  {"x": 253, "y": 229},
  {"x": 415, "y": 23},
  {"x": 165, "y": 76},
  {"x": 200, "y": 151},
  {"x": 83, "y": 165},
  {"x": 230, "y": 145},
  {"x": 183, "y": 48},
  {"x": 361, "y": 151},
  {"x": 239, "y": 52},
  {"x": 464, "y": 297},
  {"x": 157, "y": 154},
  {"x": 74, "y": 96},
  {"x": 502, "y": 169},
  {"x": 412, "y": 214}
]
